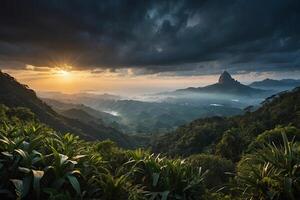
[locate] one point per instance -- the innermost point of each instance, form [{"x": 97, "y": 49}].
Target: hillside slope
[
  {"x": 64, "y": 107},
  {"x": 283, "y": 84},
  {"x": 14, "y": 94},
  {"x": 202, "y": 135}
]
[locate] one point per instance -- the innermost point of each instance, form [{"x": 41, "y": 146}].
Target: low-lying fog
[{"x": 150, "y": 113}]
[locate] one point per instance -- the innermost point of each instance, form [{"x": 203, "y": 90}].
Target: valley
[
  {"x": 220, "y": 140},
  {"x": 149, "y": 100},
  {"x": 170, "y": 110}
]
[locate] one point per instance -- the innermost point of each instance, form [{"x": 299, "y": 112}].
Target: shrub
[
  {"x": 167, "y": 179},
  {"x": 231, "y": 145},
  {"x": 274, "y": 136},
  {"x": 272, "y": 172},
  {"x": 219, "y": 170},
  {"x": 38, "y": 163}
]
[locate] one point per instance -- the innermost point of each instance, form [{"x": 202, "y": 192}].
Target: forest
[
  {"x": 252, "y": 156},
  {"x": 149, "y": 100}
]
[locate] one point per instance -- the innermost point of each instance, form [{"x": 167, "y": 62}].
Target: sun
[{"x": 63, "y": 73}]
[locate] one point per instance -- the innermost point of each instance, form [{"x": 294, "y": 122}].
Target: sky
[{"x": 145, "y": 46}]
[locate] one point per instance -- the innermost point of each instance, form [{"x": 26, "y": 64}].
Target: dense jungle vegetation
[
  {"x": 252, "y": 156},
  {"x": 230, "y": 137},
  {"x": 38, "y": 163}
]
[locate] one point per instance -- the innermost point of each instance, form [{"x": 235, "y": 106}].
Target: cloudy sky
[{"x": 114, "y": 45}]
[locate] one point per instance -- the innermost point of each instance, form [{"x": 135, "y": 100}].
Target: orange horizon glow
[
  {"x": 68, "y": 80},
  {"x": 73, "y": 81}
]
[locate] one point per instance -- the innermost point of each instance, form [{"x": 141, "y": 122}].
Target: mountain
[
  {"x": 160, "y": 117},
  {"x": 283, "y": 84},
  {"x": 225, "y": 85},
  {"x": 81, "y": 115},
  {"x": 61, "y": 107},
  {"x": 203, "y": 135},
  {"x": 87, "y": 98},
  {"x": 15, "y": 94},
  {"x": 138, "y": 117},
  {"x": 87, "y": 114}
]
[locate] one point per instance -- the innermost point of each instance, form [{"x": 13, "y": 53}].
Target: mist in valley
[
  {"x": 153, "y": 113},
  {"x": 163, "y": 112}
]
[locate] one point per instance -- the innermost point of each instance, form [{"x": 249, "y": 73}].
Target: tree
[{"x": 231, "y": 145}]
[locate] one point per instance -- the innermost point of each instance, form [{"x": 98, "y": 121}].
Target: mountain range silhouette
[{"x": 225, "y": 85}]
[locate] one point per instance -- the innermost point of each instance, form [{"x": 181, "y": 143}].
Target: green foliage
[
  {"x": 160, "y": 117},
  {"x": 271, "y": 173},
  {"x": 219, "y": 170},
  {"x": 231, "y": 145},
  {"x": 202, "y": 135},
  {"x": 15, "y": 115},
  {"x": 38, "y": 163},
  {"x": 167, "y": 179},
  {"x": 192, "y": 138},
  {"x": 32, "y": 165},
  {"x": 274, "y": 136},
  {"x": 219, "y": 196}
]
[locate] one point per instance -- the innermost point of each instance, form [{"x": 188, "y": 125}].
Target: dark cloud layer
[{"x": 158, "y": 36}]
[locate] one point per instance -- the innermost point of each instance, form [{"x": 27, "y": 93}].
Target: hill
[
  {"x": 203, "y": 135},
  {"x": 276, "y": 84},
  {"x": 225, "y": 85},
  {"x": 38, "y": 163},
  {"x": 15, "y": 94},
  {"x": 81, "y": 115},
  {"x": 41, "y": 158},
  {"x": 87, "y": 98},
  {"x": 161, "y": 117},
  {"x": 61, "y": 107}
]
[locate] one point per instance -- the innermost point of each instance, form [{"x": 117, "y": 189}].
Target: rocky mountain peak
[{"x": 226, "y": 78}]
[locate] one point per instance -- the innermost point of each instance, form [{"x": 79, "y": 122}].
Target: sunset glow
[
  {"x": 64, "y": 73},
  {"x": 119, "y": 82},
  {"x": 140, "y": 99}
]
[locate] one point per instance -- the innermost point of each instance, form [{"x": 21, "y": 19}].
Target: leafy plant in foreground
[
  {"x": 271, "y": 173},
  {"x": 167, "y": 179}
]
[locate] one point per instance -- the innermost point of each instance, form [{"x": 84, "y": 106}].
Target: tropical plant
[
  {"x": 271, "y": 173},
  {"x": 219, "y": 170},
  {"x": 275, "y": 136},
  {"x": 167, "y": 178},
  {"x": 38, "y": 163}
]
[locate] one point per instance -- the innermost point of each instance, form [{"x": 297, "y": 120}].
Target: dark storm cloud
[{"x": 158, "y": 36}]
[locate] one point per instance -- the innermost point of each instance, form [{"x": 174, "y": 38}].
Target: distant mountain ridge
[
  {"x": 60, "y": 107},
  {"x": 78, "y": 98},
  {"x": 15, "y": 94},
  {"x": 202, "y": 134},
  {"x": 270, "y": 83},
  {"x": 225, "y": 85}
]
